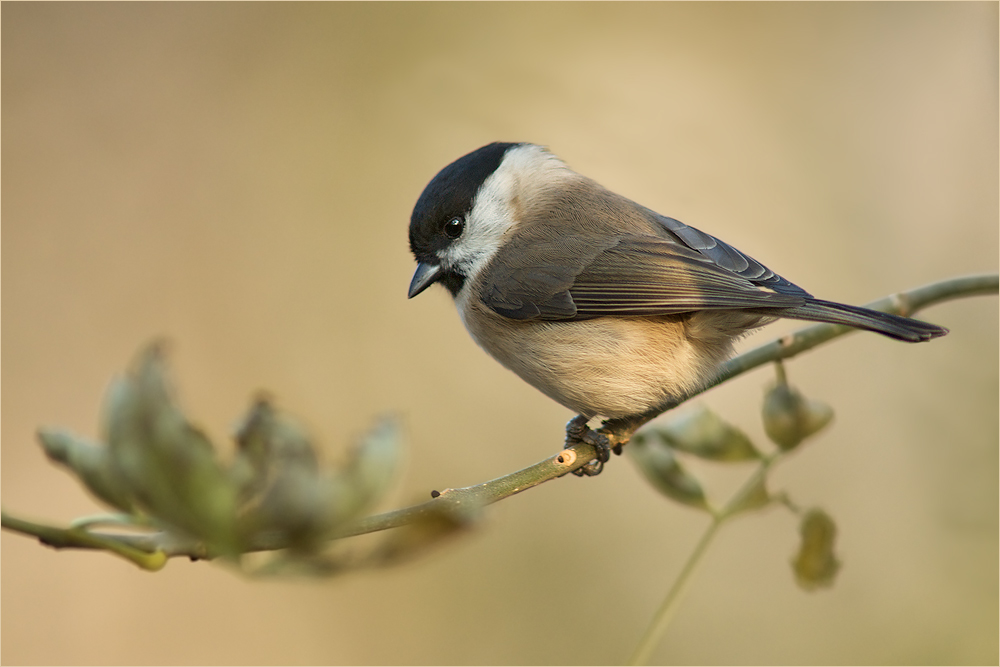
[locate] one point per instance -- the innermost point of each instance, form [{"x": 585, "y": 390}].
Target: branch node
[
  {"x": 901, "y": 303},
  {"x": 565, "y": 458}
]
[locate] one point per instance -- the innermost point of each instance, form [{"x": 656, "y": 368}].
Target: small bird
[{"x": 602, "y": 304}]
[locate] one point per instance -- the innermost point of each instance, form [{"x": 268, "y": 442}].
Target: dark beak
[{"x": 425, "y": 276}]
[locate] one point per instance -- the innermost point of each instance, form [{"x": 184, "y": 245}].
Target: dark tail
[{"x": 893, "y": 326}]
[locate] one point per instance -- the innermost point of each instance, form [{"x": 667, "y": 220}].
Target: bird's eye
[{"x": 454, "y": 227}]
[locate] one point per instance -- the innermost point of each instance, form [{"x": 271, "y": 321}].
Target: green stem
[
  {"x": 147, "y": 549},
  {"x": 79, "y": 538},
  {"x": 668, "y": 608},
  {"x": 739, "y": 502}
]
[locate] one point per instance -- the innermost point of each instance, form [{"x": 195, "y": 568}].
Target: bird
[{"x": 608, "y": 307}]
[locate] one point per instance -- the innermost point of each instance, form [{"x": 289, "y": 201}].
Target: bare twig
[{"x": 149, "y": 549}]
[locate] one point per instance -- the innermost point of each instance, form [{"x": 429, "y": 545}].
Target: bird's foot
[{"x": 578, "y": 432}]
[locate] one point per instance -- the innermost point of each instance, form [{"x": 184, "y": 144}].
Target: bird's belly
[{"x": 609, "y": 367}]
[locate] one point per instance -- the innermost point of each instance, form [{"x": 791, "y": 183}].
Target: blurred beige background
[{"x": 239, "y": 178}]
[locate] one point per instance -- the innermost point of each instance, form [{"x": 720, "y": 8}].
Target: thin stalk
[
  {"x": 668, "y": 608},
  {"x": 740, "y": 501}
]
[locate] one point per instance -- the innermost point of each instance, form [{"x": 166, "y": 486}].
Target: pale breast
[{"x": 609, "y": 367}]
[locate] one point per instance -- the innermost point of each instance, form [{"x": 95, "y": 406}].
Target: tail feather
[{"x": 893, "y": 326}]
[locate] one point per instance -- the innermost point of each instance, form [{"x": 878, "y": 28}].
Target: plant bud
[
  {"x": 266, "y": 441},
  {"x": 167, "y": 464},
  {"x": 90, "y": 462},
  {"x": 296, "y": 509},
  {"x": 287, "y": 498},
  {"x": 370, "y": 470}
]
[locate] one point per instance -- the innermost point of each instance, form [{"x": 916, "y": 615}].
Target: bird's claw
[{"x": 578, "y": 432}]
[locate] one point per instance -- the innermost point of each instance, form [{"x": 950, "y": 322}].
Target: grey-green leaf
[
  {"x": 704, "y": 434},
  {"x": 665, "y": 473},
  {"x": 752, "y": 497}
]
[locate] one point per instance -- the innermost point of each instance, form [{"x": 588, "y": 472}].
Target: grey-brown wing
[
  {"x": 651, "y": 276},
  {"x": 722, "y": 254},
  {"x": 531, "y": 279},
  {"x": 571, "y": 278}
]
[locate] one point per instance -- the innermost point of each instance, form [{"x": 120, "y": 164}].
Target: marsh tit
[{"x": 604, "y": 305}]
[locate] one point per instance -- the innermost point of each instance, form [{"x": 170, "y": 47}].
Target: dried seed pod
[
  {"x": 790, "y": 418},
  {"x": 815, "y": 565}
]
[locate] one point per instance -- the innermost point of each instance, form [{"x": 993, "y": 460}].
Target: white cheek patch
[
  {"x": 493, "y": 213},
  {"x": 487, "y": 223}
]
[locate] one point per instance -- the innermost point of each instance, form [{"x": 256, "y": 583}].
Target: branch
[
  {"x": 149, "y": 549},
  {"x": 148, "y": 556},
  {"x": 902, "y": 303}
]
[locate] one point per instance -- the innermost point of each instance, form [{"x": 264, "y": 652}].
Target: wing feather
[
  {"x": 648, "y": 276},
  {"x": 655, "y": 266}
]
